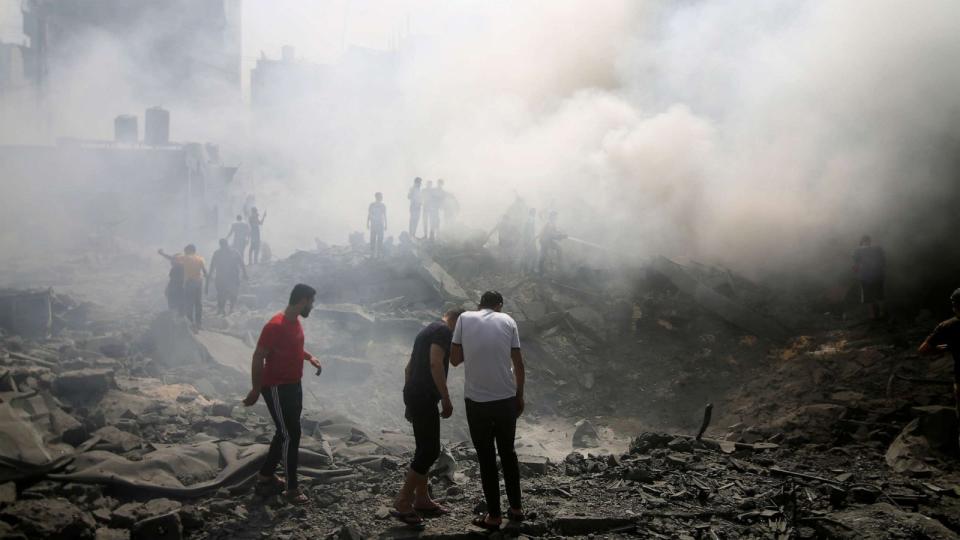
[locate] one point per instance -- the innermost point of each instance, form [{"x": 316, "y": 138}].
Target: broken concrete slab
[
  {"x": 880, "y": 520},
  {"x": 49, "y": 518},
  {"x": 83, "y": 384},
  {"x": 439, "y": 279},
  {"x": 585, "y": 436},
  {"x": 730, "y": 311},
  {"x": 27, "y": 313},
  {"x": 918, "y": 444},
  {"x": 537, "y": 465}
]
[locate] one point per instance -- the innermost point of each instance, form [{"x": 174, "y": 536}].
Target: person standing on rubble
[
  {"x": 174, "y": 290},
  {"x": 255, "y": 222},
  {"x": 870, "y": 265},
  {"x": 226, "y": 267},
  {"x": 275, "y": 372},
  {"x": 194, "y": 271},
  {"x": 377, "y": 224},
  {"x": 550, "y": 238},
  {"x": 487, "y": 343},
  {"x": 425, "y": 384},
  {"x": 240, "y": 232},
  {"x": 946, "y": 338},
  {"x": 416, "y": 204}
]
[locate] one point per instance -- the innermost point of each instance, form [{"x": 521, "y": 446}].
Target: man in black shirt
[
  {"x": 946, "y": 338},
  {"x": 426, "y": 384}
]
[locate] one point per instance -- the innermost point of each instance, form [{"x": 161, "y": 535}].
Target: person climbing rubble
[
  {"x": 425, "y": 384},
  {"x": 487, "y": 343},
  {"x": 240, "y": 233},
  {"x": 869, "y": 265},
  {"x": 275, "y": 372},
  {"x": 550, "y": 237},
  {"x": 194, "y": 272},
  {"x": 946, "y": 338},
  {"x": 377, "y": 224},
  {"x": 226, "y": 268},
  {"x": 415, "y": 195}
]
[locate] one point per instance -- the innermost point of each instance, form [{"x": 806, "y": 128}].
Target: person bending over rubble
[
  {"x": 946, "y": 338},
  {"x": 194, "y": 271},
  {"x": 487, "y": 343},
  {"x": 377, "y": 224},
  {"x": 276, "y": 372},
  {"x": 870, "y": 264},
  {"x": 425, "y": 384},
  {"x": 174, "y": 290},
  {"x": 416, "y": 204},
  {"x": 226, "y": 267}
]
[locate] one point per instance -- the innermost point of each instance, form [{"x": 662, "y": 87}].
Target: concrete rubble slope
[{"x": 125, "y": 424}]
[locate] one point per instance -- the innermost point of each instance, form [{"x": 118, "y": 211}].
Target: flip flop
[
  {"x": 410, "y": 519},
  {"x": 481, "y": 521},
  {"x": 434, "y": 511},
  {"x": 273, "y": 480},
  {"x": 296, "y": 497}
]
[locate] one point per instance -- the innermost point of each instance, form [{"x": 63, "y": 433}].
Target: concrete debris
[
  {"x": 729, "y": 310},
  {"x": 54, "y": 518}
]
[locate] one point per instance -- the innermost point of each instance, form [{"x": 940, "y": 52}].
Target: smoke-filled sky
[{"x": 762, "y": 135}]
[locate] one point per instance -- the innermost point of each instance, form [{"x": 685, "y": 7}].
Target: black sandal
[
  {"x": 515, "y": 516},
  {"x": 410, "y": 519},
  {"x": 481, "y": 521},
  {"x": 435, "y": 511}
]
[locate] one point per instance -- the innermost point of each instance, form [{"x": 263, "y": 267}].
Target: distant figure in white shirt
[{"x": 487, "y": 343}]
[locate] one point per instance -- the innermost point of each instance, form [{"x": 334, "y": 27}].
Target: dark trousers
[
  {"x": 285, "y": 402},
  {"x": 423, "y": 414},
  {"x": 192, "y": 306},
  {"x": 495, "y": 422},
  {"x": 414, "y": 219},
  {"x": 227, "y": 291},
  {"x": 376, "y": 241}
]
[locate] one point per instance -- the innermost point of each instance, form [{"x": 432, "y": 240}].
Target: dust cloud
[{"x": 764, "y": 137}]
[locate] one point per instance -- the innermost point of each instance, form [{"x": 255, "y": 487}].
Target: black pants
[
  {"x": 423, "y": 414},
  {"x": 227, "y": 291},
  {"x": 193, "y": 301},
  {"x": 495, "y": 422},
  {"x": 414, "y": 219},
  {"x": 285, "y": 402}
]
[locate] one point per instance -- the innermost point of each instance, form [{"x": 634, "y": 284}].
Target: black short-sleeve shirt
[
  {"x": 948, "y": 333},
  {"x": 421, "y": 383}
]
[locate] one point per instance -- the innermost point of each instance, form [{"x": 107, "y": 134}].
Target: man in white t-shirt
[{"x": 487, "y": 343}]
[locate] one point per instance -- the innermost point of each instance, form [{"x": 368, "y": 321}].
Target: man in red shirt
[{"x": 276, "y": 372}]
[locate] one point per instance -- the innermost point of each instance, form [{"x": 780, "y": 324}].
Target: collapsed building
[{"x": 818, "y": 426}]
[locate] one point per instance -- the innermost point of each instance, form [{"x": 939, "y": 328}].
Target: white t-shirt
[{"x": 487, "y": 338}]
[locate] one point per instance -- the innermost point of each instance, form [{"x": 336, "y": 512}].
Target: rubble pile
[{"x": 129, "y": 426}]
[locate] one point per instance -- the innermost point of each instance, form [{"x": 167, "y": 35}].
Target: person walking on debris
[
  {"x": 255, "y": 222},
  {"x": 425, "y": 385},
  {"x": 174, "y": 290},
  {"x": 226, "y": 267},
  {"x": 194, "y": 271},
  {"x": 870, "y": 265},
  {"x": 377, "y": 224},
  {"x": 529, "y": 240},
  {"x": 240, "y": 232},
  {"x": 416, "y": 203},
  {"x": 946, "y": 338},
  {"x": 550, "y": 238},
  {"x": 487, "y": 343},
  {"x": 275, "y": 372}
]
